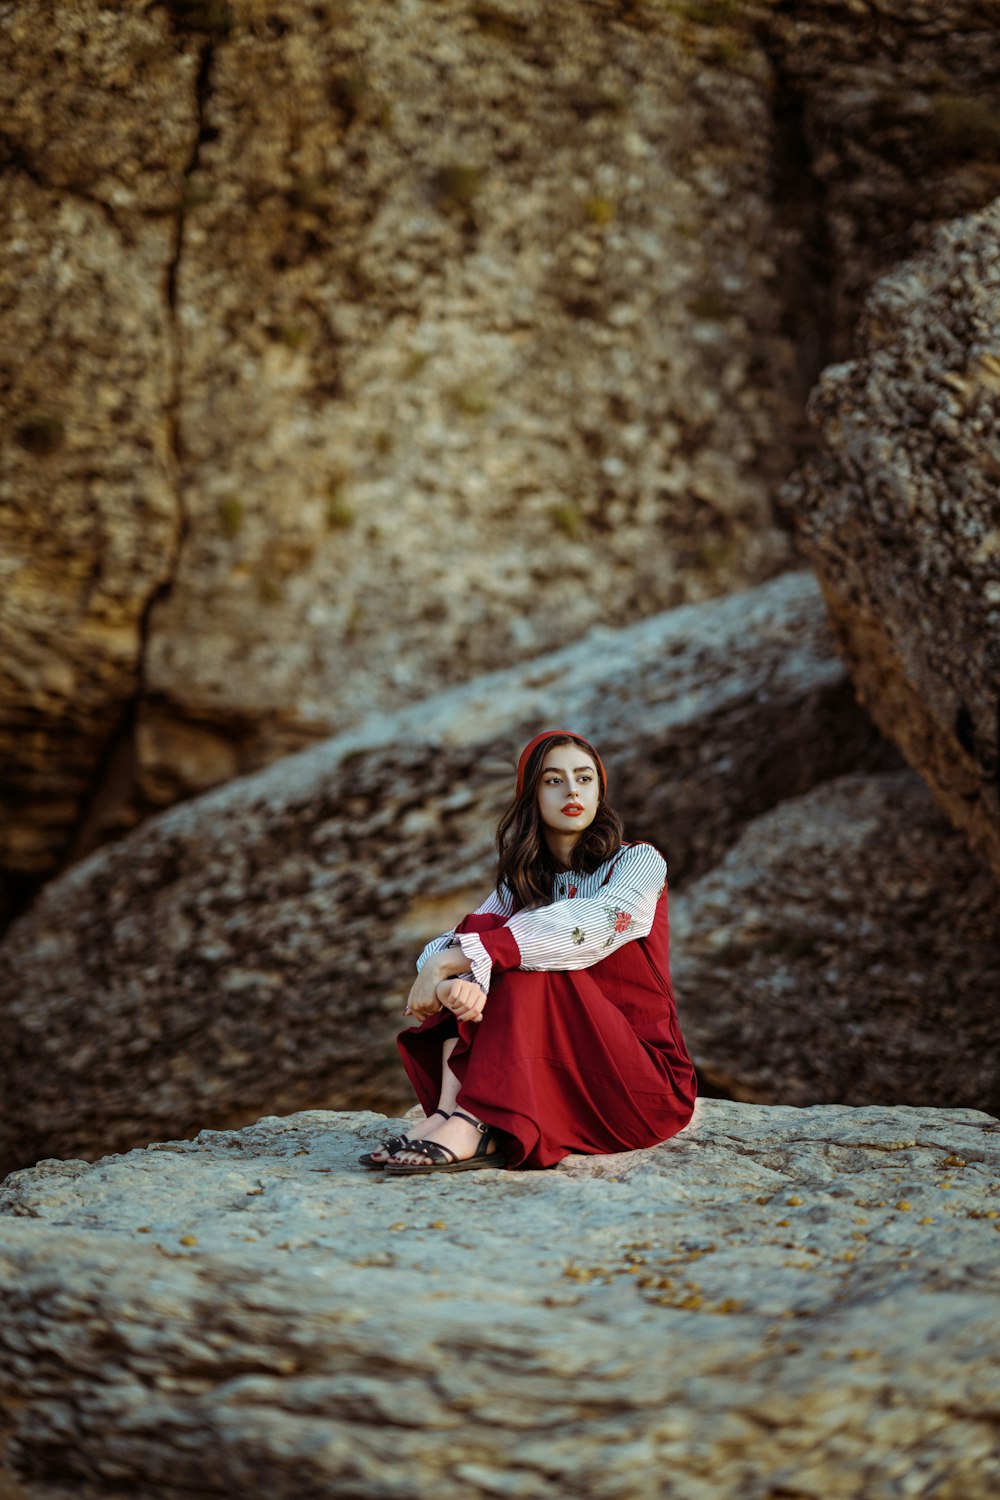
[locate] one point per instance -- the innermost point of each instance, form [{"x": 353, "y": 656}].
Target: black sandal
[
  {"x": 392, "y": 1145},
  {"x": 443, "y": 1159}
]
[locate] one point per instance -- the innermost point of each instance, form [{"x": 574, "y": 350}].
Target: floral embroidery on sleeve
[
  {"x": 620, "y": 921},
  {"x": 579, "y": 936}
]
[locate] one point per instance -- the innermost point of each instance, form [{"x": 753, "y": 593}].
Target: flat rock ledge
[{"x": 781, "y": 1301}]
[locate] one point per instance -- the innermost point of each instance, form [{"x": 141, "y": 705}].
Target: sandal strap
[
  {"x": 433, "y": 1149},
  {"x": 400, "y": 1142},
  {"x": 478, "y": 1123},
  {"x": 393, "y": 1144}
]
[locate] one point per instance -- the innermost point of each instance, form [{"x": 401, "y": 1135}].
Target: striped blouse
[{"x": 588, "y": 918}]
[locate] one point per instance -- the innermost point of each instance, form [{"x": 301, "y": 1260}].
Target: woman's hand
[
  {"x": 462, "y": 997},
  {"x": 422, "y": 1000}
]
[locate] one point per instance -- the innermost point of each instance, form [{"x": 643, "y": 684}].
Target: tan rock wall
[
  {"x": 448, "y": 335},
  {"x": 356, "y": 349}
]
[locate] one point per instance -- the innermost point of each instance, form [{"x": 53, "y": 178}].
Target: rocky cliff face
[
  {"x": 748, "y": 1309},
  {"x": 462, "y": 326},
  {"x": 900, "y": 514},
  {"x": 443, "y": 326},
  {"x": 887, "y": 125}
]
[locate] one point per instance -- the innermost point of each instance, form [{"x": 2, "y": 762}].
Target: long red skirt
[{"x": 588, "y": 1060}]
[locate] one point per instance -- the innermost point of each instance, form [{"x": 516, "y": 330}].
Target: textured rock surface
[
  {"x": 847, "y": 948},
  {"x": 886, "y": 120},
  {"x": 440, "y": 328},
  {"x": 321, "y": 299},
  {"x": 252, "y": 949},
  {"x": 97, "y": 130},
  {"x": 901, "y": 516},
  {"x": 777, "y": 1302}
]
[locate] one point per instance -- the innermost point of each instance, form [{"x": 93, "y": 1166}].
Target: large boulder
[
  {"x": 776, "y": 1302},
  {"x": 899, "y": 513},
  {"x": 845, "y": 949},
  {"x": 252, "y": 949}
]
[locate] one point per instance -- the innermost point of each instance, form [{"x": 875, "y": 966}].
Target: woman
[{"x": 548, "y": 1022}]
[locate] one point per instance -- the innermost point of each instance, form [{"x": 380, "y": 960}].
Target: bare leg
[
  {"x": 449, "y": 1094},
  {"x": 456, "y": 1133},
  {"x": 449, "y": 1083}
]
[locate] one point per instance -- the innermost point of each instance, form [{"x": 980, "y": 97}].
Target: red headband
[{"x": 557, "y": 735}]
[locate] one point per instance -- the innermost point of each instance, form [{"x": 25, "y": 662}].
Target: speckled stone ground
[{"x": 780, "y": 1302}]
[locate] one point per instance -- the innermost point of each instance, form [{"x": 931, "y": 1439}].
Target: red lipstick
[{"x": 572, "y": 809}]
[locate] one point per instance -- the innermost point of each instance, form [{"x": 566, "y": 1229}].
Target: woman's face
[{"x": 569, "y": 789}]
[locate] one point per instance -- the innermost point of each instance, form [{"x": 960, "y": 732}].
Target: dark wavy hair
[{"x": 525, "y": 865}]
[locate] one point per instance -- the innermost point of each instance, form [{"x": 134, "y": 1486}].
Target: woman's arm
[
  {"x": 443, "y": 958},
  {"x": 576, "y": 932}
]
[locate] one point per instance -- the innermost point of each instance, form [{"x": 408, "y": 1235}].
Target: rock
[
  {"x": 89, "y": 522},
  {"x": 252, "y": 949},
  {"x": 97, "y": 130},
  {"x": 433, "y": 355},
  {"x": 846, "y": 948},
  {"x": 899, "y": 513},
  {"x": 778, "y": 1300},
  {"x": 503, "y": 330},
  {"x": 885, "y": 126}
]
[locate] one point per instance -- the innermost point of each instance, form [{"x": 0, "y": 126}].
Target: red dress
[{"x": 586, "y": 1058}]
